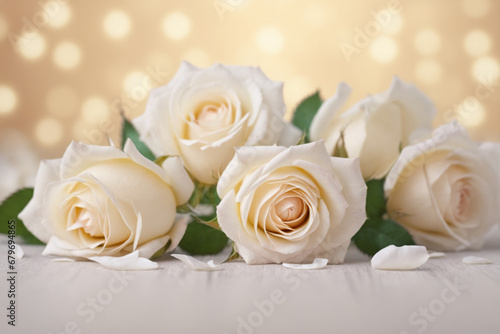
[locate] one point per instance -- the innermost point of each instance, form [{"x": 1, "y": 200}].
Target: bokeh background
[{"x": 67, "y": 66}]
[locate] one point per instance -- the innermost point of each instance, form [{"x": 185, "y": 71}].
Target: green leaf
[
  {"x": 304, "y": 114},
  {"x": 377, "y": 233},
  {"x": 129, "y": 131},
  {"x": 10, "y": 209},
  {"x": 201, "y": 239},
  {"x": 375, "y": 199}
]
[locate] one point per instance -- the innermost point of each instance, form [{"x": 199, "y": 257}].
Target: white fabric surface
[{"x": 56, "y": 297}]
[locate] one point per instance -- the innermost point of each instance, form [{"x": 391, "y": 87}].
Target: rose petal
[
  {"x": 19, "y": 254},
  {"x": 400, "y": 258},
  {"x": 195, "y": 264},
  {"x": 476, "y": 260},
  {"x": 131, "y": 261},
  {"x": 318, "y": 263},
  {"x": 436, "y": 254},
  {"x": 289, "y": 136}
]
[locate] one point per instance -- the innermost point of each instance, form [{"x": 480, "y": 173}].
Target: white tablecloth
[{"x": 442, "y": 296}]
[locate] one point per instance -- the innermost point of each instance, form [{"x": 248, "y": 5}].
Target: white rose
[
  {"x": 99, "y": 200},
  {"x": 445, "y": 190},
  {"x": 202, "y": 114},
  {"x": 375, "y": 128},
  {"x": 291, "y": 204}
]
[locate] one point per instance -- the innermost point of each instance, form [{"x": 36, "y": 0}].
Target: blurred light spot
[
  {"x": 486, "y": 68},
  {"x": 428, "y": 71},
  {"x": 427, "y": 42},
  {"x": 62, "y": 101},
  {"x": 67, "y": 55},
  {"x": 4, "y": 28},
  {"x": 31, "y": 46},
  {"x": 477, "y": 43},
  {"x": 95, "y": 109},
  {"x": 471, "y": 112},
  {"x": 315, "y": 15},
  {"x": 197, "y": 57},
  {"x": 395, "y": 25},
  {"x": 8, "y": 100},
  {"x": 476, "y": 8},
  {"x": 383, "y": 49},
  {"x": 117, "y": 24},
  {"x": 270, "y": 40},
  {"x": 49, "y": 131},
  {"x": 176, "y": 25},
  {"x": 58, "y": 13},
  {"x": 138, "y": 84}
]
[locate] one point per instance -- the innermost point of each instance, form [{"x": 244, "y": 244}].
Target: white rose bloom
[
  {"x": 202, "y": 114},
  {"x": 445, "y": 190},
  {"x": 375, "y": 128},
  {"x": 291, "y": 204},
  {"x": 99, "y": 200}
]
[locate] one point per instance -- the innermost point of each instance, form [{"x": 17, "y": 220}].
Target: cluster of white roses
[{"x": 280, "y": 202}]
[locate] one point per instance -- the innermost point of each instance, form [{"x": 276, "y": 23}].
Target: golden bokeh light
[
  {"x": 94, "y": 109},
  {"x": 428, "y": 71},
  {"x": 117, "y": 24},
  {"x": 471, "y": 113},
  {"x": 49, "y": 131},
  {"x": 75, "y": 64},
  {"x": 62, "y": 101},
  {"x": 486, "y": 69},
  {"x": 427, "y": 42},
  {"x": 176, "y": 26},
  {"x": 137, "y": 84},
  {"x": 67, "y": 55},
  {"x": 383, "y": 49},
  {"x": 477, "y": 43},
  {"x": 58, "y": 12},
  {"x": 31, "y": 45},
  {"x": 8, "y": 100},
  {"x": 269, "y": 40}
]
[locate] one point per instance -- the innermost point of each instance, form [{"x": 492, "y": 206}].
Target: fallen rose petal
[
  {"x": 318, "y": 263},
  {"x": 19, "y": 252},
  {"x": 63, "y": 259},
  {"x": 195, "y": 264},
  {"x": 131, "y": 261},
  {"x": 476, "y": 260},
  {"x": 436, "y": 254},
  {"x": 400, "y": 258}
]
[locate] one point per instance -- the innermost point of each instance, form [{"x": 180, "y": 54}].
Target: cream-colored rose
[
  {"x": 291, "y": 204},
  {"x": 445, "y": 190},
  {"x": 202, "y": 114},
  {"x": 375, "y": 128},
  {"x": 99, "y": 200}
]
